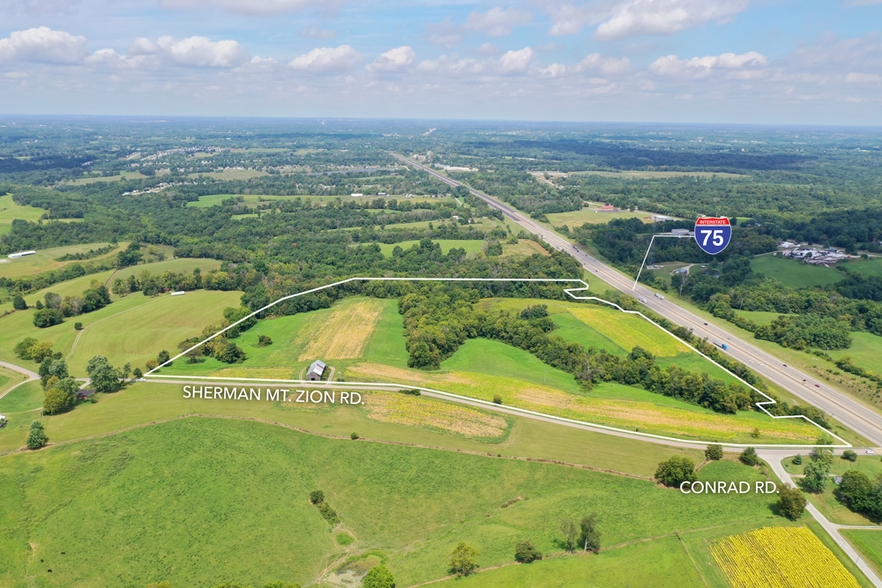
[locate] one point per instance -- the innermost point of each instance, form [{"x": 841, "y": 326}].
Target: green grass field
[
  {"x": 794, "y": 274},
  {"x": 24, "y": 398},
  {"x": 45, "y": 259},
  {"x": 230, "y": 174},
  {"x": 470, "y": 246},
  {"x": 10, "y": 211},
  {"x": 572, "y": 329},
  {"x": 871, "y": 267},
  {"x": 123, "y": 176},
  {"x": 591, "y": 215},
  {"x": 759, "y": 317},
  {"x": 8, "y": 379},
  {"x": 182, "y": 265},
  {"x": 640, "y": 174},
  {"x": 869, "y": 544},
  {"x": 192, "y": 494},
  {"x": 132, "y": 329},
  {"x": 865, "y": 351},
  {"x": 869, "y": 464}
]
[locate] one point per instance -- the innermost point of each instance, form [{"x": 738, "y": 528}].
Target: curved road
[
  {"x": 30, "y": 376},
  {"x": 849, "y": 411}
]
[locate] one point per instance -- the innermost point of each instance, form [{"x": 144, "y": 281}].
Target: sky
[{"x": 785, "y": 62}]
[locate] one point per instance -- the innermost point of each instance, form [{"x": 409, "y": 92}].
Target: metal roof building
[{"x": 316, "y": 370}]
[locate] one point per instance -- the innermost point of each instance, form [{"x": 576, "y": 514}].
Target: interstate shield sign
[{"x": 713, "y": 234}]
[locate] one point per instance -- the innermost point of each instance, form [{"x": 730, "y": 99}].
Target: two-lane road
[{"x": 852, "y": 413}]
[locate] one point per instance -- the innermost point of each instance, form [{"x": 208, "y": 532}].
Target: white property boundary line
[{"x": 569, "y": 292}]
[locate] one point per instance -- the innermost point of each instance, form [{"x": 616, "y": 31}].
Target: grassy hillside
[
  {"x": 865, "y": 350},
  {"x": 193, "y": 494},
  {"x": 472, "y": 246},
  {"x": 794, "y": 274},
  {"x": 9, "y": 211},
  {"x": 46, "y": 259}
]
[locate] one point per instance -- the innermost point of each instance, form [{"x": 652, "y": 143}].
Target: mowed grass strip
[
  {"x": 637, "y": 409},
  {"x": 343, "y": 334},
  {"x": 780, "y": 557},
  {"x": 629, "y": 331},
  {"x": 869, "y": 543}
]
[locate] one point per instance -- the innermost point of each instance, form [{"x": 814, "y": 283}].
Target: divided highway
[{"x": 849, "y": 411}]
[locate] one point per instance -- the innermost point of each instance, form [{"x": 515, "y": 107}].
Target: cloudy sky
[{"x": 741, "y": 61}]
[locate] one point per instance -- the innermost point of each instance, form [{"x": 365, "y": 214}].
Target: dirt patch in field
[
  {"x": 390, "y": 407},
  {"x": 344, "y": 334}
]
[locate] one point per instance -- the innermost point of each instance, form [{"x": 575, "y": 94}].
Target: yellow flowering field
[{"x": 780, "y": 557}]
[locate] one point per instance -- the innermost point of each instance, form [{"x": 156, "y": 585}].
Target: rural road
[
  {"x": 30, "y": 375},
  {"x": 773, "y": 458},
  {"x": 854, "y": 414}
]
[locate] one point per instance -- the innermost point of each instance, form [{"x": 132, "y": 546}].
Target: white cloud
[
  {"x": 862, "y": 78},
  {"x": 488, "y": 49},
  {"x": 497, "y": 22},
  {"x": 327, "y": 59},
  {"x": 555, "y": 70},
  {"x": 517, "y": 61},
  {"x": 608, "y": 65},
  {"x": 255, "y": 7},
  {"x": 314, "y": 32},
  {"x": 393, "y": 60},
  {"x": 43, "y": 44},
  {"x": 112, "y": 59},
  {"x": 202, "y": 52},
  {"x": 622, "y": 18},
  {"x": 699, "y": 67}
]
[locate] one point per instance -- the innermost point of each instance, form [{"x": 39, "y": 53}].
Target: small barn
[{"x": 316, "y": 370}]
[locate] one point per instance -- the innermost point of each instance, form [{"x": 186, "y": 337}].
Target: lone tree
[
  {"x": 316, "y": 497},
  {"x": 713, "y": 452},
  {"x": 570, "y": 532},
  {"x": 749, "y": 457},
  {"x": 56, "y": 400},
  {"x": 104, "y": 377},
  {"x": 163, "y": 357},
  {"x": 849, "y": 455},
  {"x": 797, "y": 459},
  {"x": 379, "y": 577},
  {"x": 525, "y": 552},
  {"x": 589, "y": 538},
  {"x": 462, "y": 560},
  {"x": 36, "y": 436},
  {"x": 675, "y": 471},
  {"x": 791, "y": 502},
  {"x": 19, "y": 303}
]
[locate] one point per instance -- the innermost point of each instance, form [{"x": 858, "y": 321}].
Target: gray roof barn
[{"x": 316, "y": 370}]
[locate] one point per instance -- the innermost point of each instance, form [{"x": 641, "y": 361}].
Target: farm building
[
  {"x": 21, "y": 254},
  {"x": 680, "y": 231},
  {"x": 316, "y": 370}
]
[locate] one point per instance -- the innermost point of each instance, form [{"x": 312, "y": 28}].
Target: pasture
[
  {"x": 343, "y": 334},
  {"x": 46, "y": 259},
  {"x": 656, "y": 175},
  {"x": 470, "y": 246},
  {"x": 793, "y": 273},
  {"x": 199, "y": 488},
  {"x": 594, "y": 216},
  {"x": 8, "y": 379},
  {"x": 865, "y": 351},
  {"x": 10, "y": 211},
  {"x": 93, "y": 179},
  {"x": 869, "y": 268},
  {"x": 230, "y": 174},
  {"x": 24, "y": 398},
  {"x": 628, "y": 331},
  {"x": 759, "y": 317}
]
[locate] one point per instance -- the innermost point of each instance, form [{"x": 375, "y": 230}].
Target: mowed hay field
[
  {"x": 869, "y": 543},
  {"x": 608, "y": 404},
  {"x": 470, "y": 246},
  {"x": 629, "y": 331},
  {"x": 780, "y": 557},
  {"x": 45, "y": 259},
  {"x": 375, "y": 335},
  {"x": 180, "y": 501},
  {"x": 140, "y": 334},
  {"x": 342, "y": 335}
]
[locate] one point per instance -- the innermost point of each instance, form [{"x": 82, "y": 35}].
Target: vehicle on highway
[
  {"x": 817, "y": 385},
  {"x": 784, "y": 364},
  {"x": 576, "y": 248},
  {"x": 643, "y": 300},
  {"x": 870, "y": 452},
  {"x": 659, "y": 296},
  {"x": 705, "y": 324}
]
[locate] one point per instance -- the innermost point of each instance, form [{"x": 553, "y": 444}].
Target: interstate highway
[{"x": 849, "y": 411}]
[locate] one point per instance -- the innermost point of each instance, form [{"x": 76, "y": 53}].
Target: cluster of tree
[
  {"x": 378, "y": 577},
  {"x": 317, "y": 498},
  {"x": 87, "y": 254},
  {"x": 30, "y": 348},
  {"x": 56, "y": 309},
  {"x": 806, "y": 330},
  {"x": 582, "y": 535},
  {"x": 861, "y": 494},
  {"x": 36, "y": 436},
  {"x": 522, "y": 191}
]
